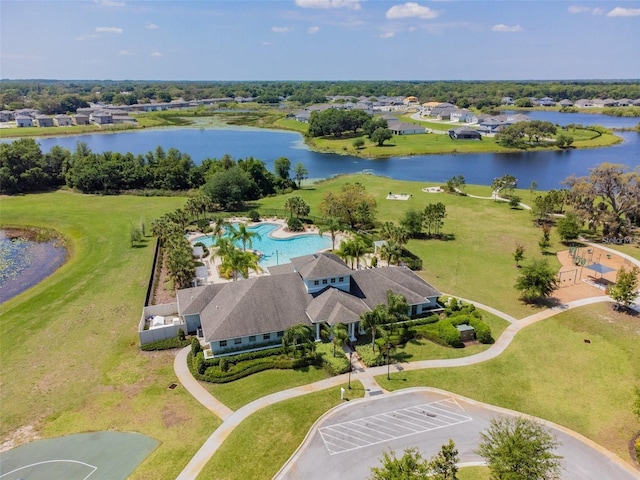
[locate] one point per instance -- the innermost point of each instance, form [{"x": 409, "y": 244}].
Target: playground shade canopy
[{"x": 601, "y": 269}]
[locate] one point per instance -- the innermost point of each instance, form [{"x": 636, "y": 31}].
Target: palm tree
[
  {"x": 333, "y": 226},
  {"x": 219, "y": 225},
  {"x": 397, "y": 307},
  {"x": 241, "y": 262},
  {"x": 299, "y": 333},
  {"x": 339, "y": 334},
  {"x": 371, "y": 319},
  {"x": 345, "y": 252},
  {"x": 224, "y": 247},
  {"x": 242, "y": 233},
  {"x": 358, "y": 249},
  {"x": 391, "y": 252}
]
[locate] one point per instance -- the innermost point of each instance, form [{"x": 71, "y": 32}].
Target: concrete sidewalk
[{"x": 364, "y": 375}]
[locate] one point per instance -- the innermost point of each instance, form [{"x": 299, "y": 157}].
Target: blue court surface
[{"x": 83, "y": 456}]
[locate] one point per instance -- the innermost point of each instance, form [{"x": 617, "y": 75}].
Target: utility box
[{"x": 467, "y": 333}]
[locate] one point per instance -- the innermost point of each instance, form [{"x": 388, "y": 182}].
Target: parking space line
[{"x": 386, "y": 426}]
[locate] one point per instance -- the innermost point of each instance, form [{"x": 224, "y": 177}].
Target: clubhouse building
[{"x": 313, "y": 290}]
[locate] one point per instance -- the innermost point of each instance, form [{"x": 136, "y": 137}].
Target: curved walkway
[{"x": 365, "y": 375}]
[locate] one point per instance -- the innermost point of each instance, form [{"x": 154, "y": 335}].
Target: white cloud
[
  {"x": 156, "y": 54},
  {"x": 410, "y": 10},
  {"x": 312, "y": 30},
  {"x": 583, "y": 9},
  {"x": 151, "y": 26},
  {"x": 108, "y": 29},
  {"x": 266, "y": 44},
  {"x": 109, "y": 3},
  {"x": 281, "y": 29},
  {"x": 624, "y": 12},
  {"x": 387, "y": 35},
  {"x": 125, "y": 52},
  {"x": 506, "y": 28},
  {"x": 82, "y": 38},
  {"x": 349, "y": 4}
]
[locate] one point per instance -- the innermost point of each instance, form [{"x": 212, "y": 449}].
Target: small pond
[{"x": 25, "y": 262}]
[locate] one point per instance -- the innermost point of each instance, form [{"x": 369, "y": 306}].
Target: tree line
[
  {"x": 24, "y": 168},
  {"x": 62, "y": 96}
]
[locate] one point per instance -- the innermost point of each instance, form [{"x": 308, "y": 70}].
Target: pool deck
[{"x": 212, "y": 262}]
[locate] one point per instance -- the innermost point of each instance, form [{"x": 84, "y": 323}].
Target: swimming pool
[{"x": 277, "y": 251}]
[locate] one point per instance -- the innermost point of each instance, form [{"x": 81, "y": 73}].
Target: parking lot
[{"x": 384, "y": 427}]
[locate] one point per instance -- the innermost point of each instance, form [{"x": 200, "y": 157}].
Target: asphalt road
[{"x": 350, "y": 440}]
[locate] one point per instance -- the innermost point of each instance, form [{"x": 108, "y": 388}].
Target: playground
[
  {"x": 84, "y": 456},
  {"x": 587, "y": 271}
]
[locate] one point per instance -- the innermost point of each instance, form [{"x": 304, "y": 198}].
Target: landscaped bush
[
  {"x": 244, "y": 369},
  {"x": 199, "y": 365},
  {"x": 295, "y": 224},
  {"x": 638, "y": 449},
  {"x": 254, "y": 215},
  {"x": 195, "y": 346},
  {"x": 166, "y": 344},
  {"x": 370, "y": 357},
  {"x": 333, "y": 365}
]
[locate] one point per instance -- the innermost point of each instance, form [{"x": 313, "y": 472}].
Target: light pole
[
  {"x": 388, "y": 358},
  {"x": 350, "y": 368}
]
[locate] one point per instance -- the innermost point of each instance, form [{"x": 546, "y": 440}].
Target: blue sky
[{"x": 319, "y": 40}]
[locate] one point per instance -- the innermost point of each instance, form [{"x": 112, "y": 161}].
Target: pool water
[{"x": 277, "y": 251}]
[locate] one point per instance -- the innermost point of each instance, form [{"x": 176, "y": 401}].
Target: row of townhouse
[
  {"x": 33, "y": 118},
  {"x": 582, "y": 103}
]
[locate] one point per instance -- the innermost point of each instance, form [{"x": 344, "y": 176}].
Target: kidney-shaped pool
[{"x": 276, "y": 251}]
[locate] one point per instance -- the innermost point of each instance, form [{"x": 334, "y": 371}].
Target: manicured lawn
[
  {"x": 478, "y": 264},
  {"x": 70, "y": 357},
  {"x": 422, "y": 349},
  {"x": 550, "y": 372},
  {"x": 473, "y": 473},
  {"x": 240, "y": 392},
  {"x": 425, "y": 144},
  {"x": 260, "y": 445}
]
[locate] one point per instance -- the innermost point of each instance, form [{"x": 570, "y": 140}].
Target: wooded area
[{"x": 63, "y": 96}]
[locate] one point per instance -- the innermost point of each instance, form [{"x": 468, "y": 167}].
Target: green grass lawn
[
  {"x": 471, "y": 266},
  {"x": 422, "y": 349},
  {"x": 550, "y": 372},
  {"x": 250, "y": 450},
  {"x": 240, "y": 392},
  {"x": 70, "y": 357},
  {"x": 425, "y": 144}
]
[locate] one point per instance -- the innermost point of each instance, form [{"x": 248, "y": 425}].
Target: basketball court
[{"x": 84, "y": 456}]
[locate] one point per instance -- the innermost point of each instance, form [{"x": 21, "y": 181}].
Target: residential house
[
  {"x": 546, "y": 102},
  {"x": 625, "y": 102},
  {"x": 507, "y": 101},
  {"x": 24, "y": 121},
  {"x": 607, "y": 102},
  {"x": 80, "y": 119},
  {"x": 463, "y": 116},
  {"x": 43, "y": 121},
  {"x": 315, "y": 290},
  {"x": 584, "y": 103},
  {"x": 62, "y": 120},
  {"x": 101, "y": 117},
  {"x": 465, "y": 133},
  {"x": 401, "y": 128},
  {"x": 7, "y": 116},
  {"x": 565, "y": 103}
]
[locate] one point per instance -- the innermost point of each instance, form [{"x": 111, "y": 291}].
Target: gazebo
[{"x": 601, "y": 269}]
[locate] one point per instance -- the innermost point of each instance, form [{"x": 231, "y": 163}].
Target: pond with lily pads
[{"x": 26, "y": 259}]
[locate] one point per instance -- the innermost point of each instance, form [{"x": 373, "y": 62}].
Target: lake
[
  {"x": 24, "y": 263},
  {"x": 547, "y": 168}
]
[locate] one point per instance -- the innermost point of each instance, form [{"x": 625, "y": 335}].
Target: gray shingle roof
[
  {"x": 372, "y": 284},
  {"x": 255, "y": 306},
  {"x": 335, "y": 306},
  {"x": 320, "y": 265}
]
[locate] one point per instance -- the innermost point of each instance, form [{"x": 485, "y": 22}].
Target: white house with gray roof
[{"x": 314, "y": 290}]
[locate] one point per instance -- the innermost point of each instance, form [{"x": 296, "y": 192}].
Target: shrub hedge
[
  {"x": 333, "y": 365},
  {"x": 166, "y": 344}
]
